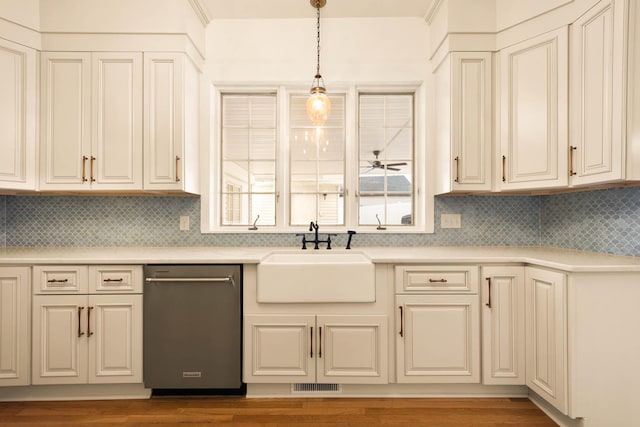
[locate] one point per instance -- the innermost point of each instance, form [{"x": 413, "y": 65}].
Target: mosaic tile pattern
[
  {"x": 600, "y": 221},
  {"x": 153, "y": 221},
  {"x": 3, "y": 220}
]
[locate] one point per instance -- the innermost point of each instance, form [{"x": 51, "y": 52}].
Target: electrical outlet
[
  {"x": 184, "y": 223},
  {"x": 450, "y": 221}
]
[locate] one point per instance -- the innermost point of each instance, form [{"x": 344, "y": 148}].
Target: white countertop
[{"x": 562, "y": 259}]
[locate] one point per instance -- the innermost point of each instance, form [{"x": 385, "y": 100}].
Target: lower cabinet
[
  {"x": 15, "y": 298},
  {"x": 503, "y": 325},
  {"x": 438, "y": 339},
  {"x": 80, "y": 339},
  {"x": 546, "y": 337},
  {"x": 344, "y": 349},
  {"x": 87, "y": 325}
]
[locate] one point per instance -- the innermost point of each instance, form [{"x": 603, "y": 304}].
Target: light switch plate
[
  {"x": 184, "y": 223},
  {"x": 450, "y": 221}
]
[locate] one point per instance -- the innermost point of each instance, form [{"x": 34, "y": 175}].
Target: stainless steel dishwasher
[{"x": 193, "y": 329}]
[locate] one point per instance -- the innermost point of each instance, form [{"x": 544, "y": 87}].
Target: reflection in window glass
[
  {"x": 317, "y": 164},
  {"x": 248, "y": 153},
  {"x": 385, "y": 141}
]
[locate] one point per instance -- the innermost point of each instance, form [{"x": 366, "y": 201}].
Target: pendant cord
[{"x": 318, "y": 41}]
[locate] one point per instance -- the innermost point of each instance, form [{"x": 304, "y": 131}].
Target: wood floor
[{"x": 241, "y": 412}]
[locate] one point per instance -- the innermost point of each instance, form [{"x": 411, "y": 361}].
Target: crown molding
[
  {"x": 201, "y": 11},
  {"x": 433, "y": 9}
]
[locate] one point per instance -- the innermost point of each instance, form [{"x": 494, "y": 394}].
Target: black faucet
[{"x": 313, "y": 226}]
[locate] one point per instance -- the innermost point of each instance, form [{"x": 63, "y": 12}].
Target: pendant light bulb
[{"x": 318, "y": 104}]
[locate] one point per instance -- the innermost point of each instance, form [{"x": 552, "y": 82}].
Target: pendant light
[{"x": 318, "y": 104}]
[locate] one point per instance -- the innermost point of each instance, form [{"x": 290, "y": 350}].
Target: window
[
  {"x": 360, "y": 170},
  {"x": 385, "y": 138},
  {"x": 248, "y": 159},
  {"x": 317, "y": 165}
]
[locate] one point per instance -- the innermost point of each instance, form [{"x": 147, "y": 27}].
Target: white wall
[
  {"x": 20, "y": 22},
  {"x": 284, "y": 50},
  {"x": 23, "y": 12}
]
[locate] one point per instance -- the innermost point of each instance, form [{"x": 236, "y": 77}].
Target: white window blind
[{"x": 248, "y": 153}]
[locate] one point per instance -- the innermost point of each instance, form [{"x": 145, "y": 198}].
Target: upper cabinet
[
  {"x": 533, "y": 112},
  {"x": 597, "y": 92},
  {"x": 17, "y": 116},
  {"x": 170, "y": 123},
  {"x": 464, "y": 122},
  {"x": 566, "y": 102},
  {"x": 91, "y": 121}
]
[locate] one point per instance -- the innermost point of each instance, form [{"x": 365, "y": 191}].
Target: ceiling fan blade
[
  {"x": 397, "y": 164},
  {"x": 391, "y": 169}
]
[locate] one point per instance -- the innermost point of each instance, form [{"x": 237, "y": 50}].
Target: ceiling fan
[{"x": 377, "y": 164}]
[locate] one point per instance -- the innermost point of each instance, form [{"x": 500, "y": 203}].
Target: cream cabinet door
[
  {"x": 65, "y": 104},
  {"x": 15, "y": 331},
  {"x": 533, "y": 113},
  {"x": 114, "y": 336},
  {"x": 438, "y": 339},
  {"x": 91, "y": 115},
  {"x": 352, "y": 349},
  {"x": 116, "y": 149},
  {"x": 464, "y": 122},
  {"x": 546, "y": 336},
  {"x": 597, "y": 94},
  {"x": 59, "y": 339},
  {"x": 279, "y": 349},
  {"x": 171, "y": 138},
  {"x": 503, "y": 325},
  {"x": 18, "y": 119}
]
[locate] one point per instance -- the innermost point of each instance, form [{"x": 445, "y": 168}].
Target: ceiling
[{"x": 272, "y": 9}]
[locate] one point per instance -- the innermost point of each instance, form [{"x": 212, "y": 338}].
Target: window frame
[{"x": 422, "y": 191}]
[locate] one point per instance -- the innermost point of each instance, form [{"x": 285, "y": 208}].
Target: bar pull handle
[
  {"x": 437, "y": 280},
  {"x": 488, "y": 304},
  {"x": 109, "y": 280},
  {"x": 504, "y": 168},
  {"x": 89, "y": 333},
  {"x": 311, "y": 341},
  {"x": 80, "y": 333},
  {"x": 91, "y": 168},
  {"x": 401, "y": 322},
  {"x": 457, "y": 159},
  {"x": 177, "y": 169},
  {"x": 572, "y": 148},
  {"x": 189, "y": 279},
  {"x": 57, "y": 280},
  {"x": 84, "y": 168},
  {"x": 320, "y": 342}
]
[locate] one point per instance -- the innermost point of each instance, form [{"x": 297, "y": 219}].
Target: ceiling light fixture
[{"x": 318, "y": 104}]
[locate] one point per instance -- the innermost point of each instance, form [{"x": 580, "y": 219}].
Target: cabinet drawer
[
  {"x": 436, "y": 279},
  {"x": 111, "y": 279},
  {"x": 62, "y": 279}
]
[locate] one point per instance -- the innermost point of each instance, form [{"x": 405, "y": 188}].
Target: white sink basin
[{"x": 316, "y": 277}]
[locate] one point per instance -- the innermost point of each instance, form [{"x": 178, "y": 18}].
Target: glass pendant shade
[{"x": 318, "y": 106}]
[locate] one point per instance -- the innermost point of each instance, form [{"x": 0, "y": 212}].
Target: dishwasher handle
[{"x": 192, "y": 279}]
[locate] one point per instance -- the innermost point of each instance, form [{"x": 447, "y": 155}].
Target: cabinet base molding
[
  {"x": 74, "y": 392},
  {"x": 557, "y": 416},
  {"x": 393, "y": 390}
]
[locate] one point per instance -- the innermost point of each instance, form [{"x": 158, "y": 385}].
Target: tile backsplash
[
  {"x": 603, "y": 221},
  {"x": 598, "y": 221}
]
